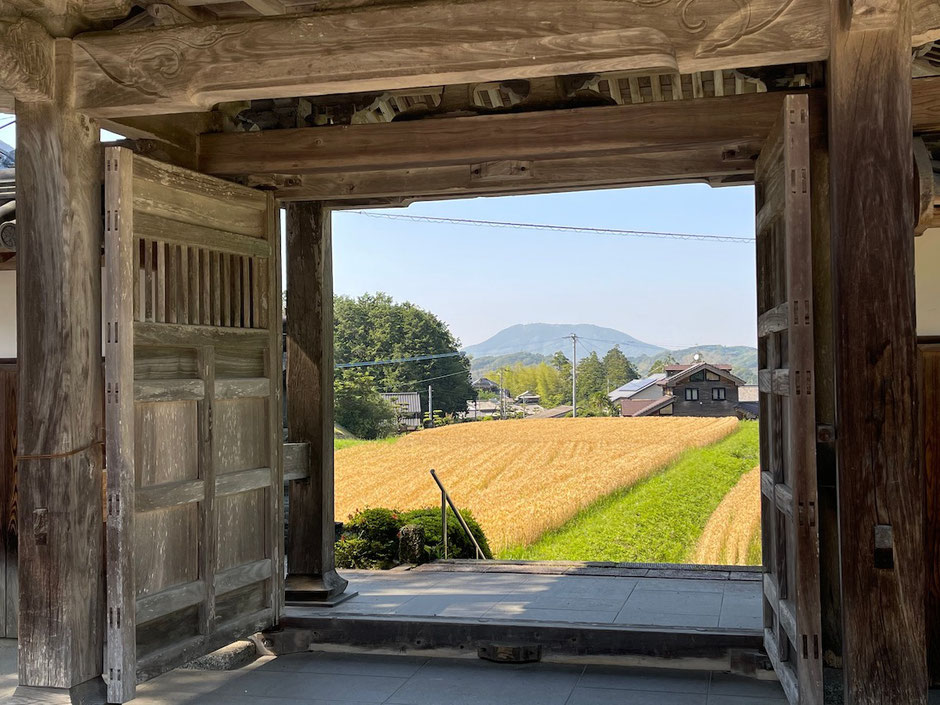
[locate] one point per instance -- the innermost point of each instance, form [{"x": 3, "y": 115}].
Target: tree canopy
[{"x": 374, "y": 327}]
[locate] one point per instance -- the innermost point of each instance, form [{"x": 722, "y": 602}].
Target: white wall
[
  {"x": 927, "y": 281},
  {"x": 7, "y": 314}
]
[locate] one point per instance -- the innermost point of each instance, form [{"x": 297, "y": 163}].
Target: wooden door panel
[
  {"x": 788, "y": 425},
  {"x": 192, "y": 393}
]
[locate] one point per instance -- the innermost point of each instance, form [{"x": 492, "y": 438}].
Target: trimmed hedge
[{"x": 370, "y": 539}]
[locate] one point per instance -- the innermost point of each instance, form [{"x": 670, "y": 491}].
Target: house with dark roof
[
  {"x": 699, "y": 389},
  {"x": 408, "y": 405}
]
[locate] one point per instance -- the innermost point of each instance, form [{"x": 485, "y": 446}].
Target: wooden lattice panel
[
  {"x": 192, "y": 397},
  {"x": 787, "y": 406}
]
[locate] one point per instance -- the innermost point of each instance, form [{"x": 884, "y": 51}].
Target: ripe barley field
[
  {"x": 734, "y": 528},
  {"x": 519, "y": 478}
]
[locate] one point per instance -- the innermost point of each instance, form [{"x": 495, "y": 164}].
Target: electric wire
[{"x": 555, "y": 228}]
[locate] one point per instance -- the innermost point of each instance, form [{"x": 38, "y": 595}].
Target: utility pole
[
  {"x": 574, "y": 375},
  {"x": 501, "y": 406},
  {"x": 431, "y": 405}
]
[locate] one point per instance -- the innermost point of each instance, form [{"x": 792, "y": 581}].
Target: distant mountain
[
  {"x": 742, "y": 358},
  {"x": 547, "y": 338},
  {"x": 480, "y": 365}
]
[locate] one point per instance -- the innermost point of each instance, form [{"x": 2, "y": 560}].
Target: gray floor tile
[
  {"x": 521, "y": 611},
  {"x": 676, "y": 601},
  {"x": 685, "y": 584},
  {"x": 630, "y": 615},
  {"x": 319, "y": 686},
  {"x": 727, "y": 684},
  {"x": 602, "y": 696},
  {"x": 457, "y": 682},
  {"x": 550, "y": 601},
  {"x": 744, "y": 700},
  {"x": 346, "y": 664},
  {"x": 651, "y": 679},
  {"x": 168, "y": 698},
  {"x": 457, "y": 605}
]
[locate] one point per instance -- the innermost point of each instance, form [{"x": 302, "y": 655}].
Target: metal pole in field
[
  {"x": 431, "y": 405},
  {"x": 574, "y": 375}
]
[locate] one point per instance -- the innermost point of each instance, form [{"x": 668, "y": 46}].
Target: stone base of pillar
[{"x": 328, "y": 589}]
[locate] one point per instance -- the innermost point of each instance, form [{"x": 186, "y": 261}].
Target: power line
[
  {"x": 557, "y": 228},
  {"x": 416, "y": 358}
]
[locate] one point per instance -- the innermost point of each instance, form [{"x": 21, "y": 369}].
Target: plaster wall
[{"x": 927, "y": 282}]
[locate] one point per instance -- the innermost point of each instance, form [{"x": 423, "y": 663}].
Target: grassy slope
[
  {"x": 656, "y": 520},
  {"x": 340, "y": 443}
]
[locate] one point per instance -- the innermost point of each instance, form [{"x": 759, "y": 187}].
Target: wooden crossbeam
[
  {"x": 724, "y": 124},
  {"x": 26, "y": 60},
  {"x": 186, "y": 68}
]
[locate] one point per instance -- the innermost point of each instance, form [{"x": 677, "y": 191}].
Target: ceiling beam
[
  {"x": 432, "y": 42},
  {"x": 723, "y": 123},
  {"x": 707, "y": 164}
]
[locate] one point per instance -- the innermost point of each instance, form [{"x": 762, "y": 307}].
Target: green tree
[
  {"x": 358, "y": 407},
  {"x": 618, "y": 368},
  {"x": 374, "y": 327},
  {"x": 592, "y": 378},
  {"x": 659, "y": 365}
]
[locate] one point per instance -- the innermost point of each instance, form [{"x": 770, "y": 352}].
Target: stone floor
[
  {"x": 642, "y": 601},
  {"x": 317, "y": 678}
]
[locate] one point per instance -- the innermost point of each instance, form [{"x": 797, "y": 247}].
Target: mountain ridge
[{"x": 547, "y": 338}]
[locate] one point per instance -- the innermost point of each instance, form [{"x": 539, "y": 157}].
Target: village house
[
  {"x": 408, "y": 405},
  {"x": 698, "y": 389}
]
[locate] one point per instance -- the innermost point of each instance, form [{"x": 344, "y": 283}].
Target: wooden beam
[
  {"x": 725, "y": 123},
  {"x": 434, "y": 42},
  {"x": 880, "y": 480},
  {"x": 311, "y": 533},
  {"x": 711, "y": 163},
  {"x": 60, "y": 404},
  {"x": 26, "y": 60}
]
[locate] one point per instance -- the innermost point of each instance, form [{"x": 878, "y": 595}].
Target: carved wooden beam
[
  {"x": 434, "y": 42},
  {"x": 26, "y": 60},
  {"x": 726, "y": 123}
]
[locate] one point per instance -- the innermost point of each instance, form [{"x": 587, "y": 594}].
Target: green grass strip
[
  {"x": 658, "y": 520},
  {"x": 340, "y": 443}
]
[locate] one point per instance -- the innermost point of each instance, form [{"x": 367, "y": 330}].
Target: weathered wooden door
[
  {"x": 787, "y": 406},
  {"x": 192, "y": 399},
  {"x": 9, "y": 585}
]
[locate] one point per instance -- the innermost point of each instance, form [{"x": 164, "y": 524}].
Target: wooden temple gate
[{"x": 310, "y": 103}]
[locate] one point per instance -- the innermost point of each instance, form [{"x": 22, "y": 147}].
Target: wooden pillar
[
  {"x": 880, "y": 481},
  {"x": 59, "y": 224},
  {"x": 310, "y": 535}
]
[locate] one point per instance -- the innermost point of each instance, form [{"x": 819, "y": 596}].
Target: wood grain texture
[
  {"x": 199, "y": 463},
  {"x": 9, "y": 589},
  {"x": 580, "y": 132},
  {"x": 311, "y": 533},
  {"x": 930, "y": 426},
  {"x": 26, "y": 60},
  {"x": 711, "y": 162},
  {"x": 60, "y": 390},
  {"x": 183, "y": 69},
  {"x": 880, "y": 478}
]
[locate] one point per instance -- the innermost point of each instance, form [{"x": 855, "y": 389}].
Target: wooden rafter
[{"x": 192, "y": 67}]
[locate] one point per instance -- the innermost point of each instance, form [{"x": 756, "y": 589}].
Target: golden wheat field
[
  {"x": 733, "y": 525},
  {"x": 519, "y": 478}
]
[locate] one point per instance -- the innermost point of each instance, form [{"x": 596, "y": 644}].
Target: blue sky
[{"x": 479, "y": 280}]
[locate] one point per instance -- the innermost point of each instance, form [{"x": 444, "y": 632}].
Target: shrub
[
  {"x": 458, "y": 545},
  {"x": 370, "y": 540}
]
